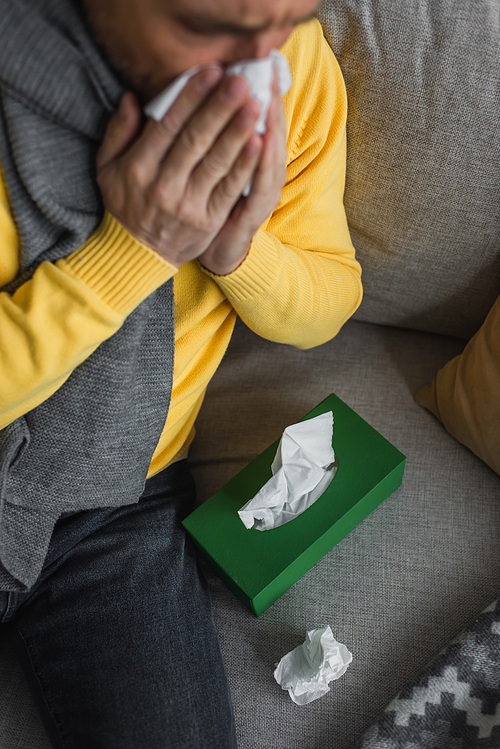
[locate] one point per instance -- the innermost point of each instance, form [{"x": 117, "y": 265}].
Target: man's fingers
[
  {"x": 276, "y": 120},
  {"x": 228, "y": 192},
  {"x": 121, "y": 131},
  {"x": 199, "y": 135},
  {"x": 270, "y": 174},
  {"x": 158, "y": 137},
  {"x": 220, "y": 159}
]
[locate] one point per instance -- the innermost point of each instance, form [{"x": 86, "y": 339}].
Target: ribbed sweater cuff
[
  {"x": 256, "y": 274},
  {"x": 117, "y": 267}
]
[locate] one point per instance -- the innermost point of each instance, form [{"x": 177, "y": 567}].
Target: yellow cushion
[{"x": 465, "y": 394}]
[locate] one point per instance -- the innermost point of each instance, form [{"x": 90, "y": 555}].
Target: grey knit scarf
[{"x": 90, "y": 444}]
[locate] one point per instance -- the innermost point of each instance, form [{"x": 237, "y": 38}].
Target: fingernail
[
  {"x": 254, "y": 145},
  {"x": 121, "y": 112},
  {"x": 126, "y": 105},
  {"x": 208, "y": 79},
  {"x": 248, "y": 114},
  {"x": 232, "y": 90}
]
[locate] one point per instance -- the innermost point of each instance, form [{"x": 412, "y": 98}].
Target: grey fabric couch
[{"x": 423, "y": 202}]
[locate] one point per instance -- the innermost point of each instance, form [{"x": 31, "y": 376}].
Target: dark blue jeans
[{"x": 117, "y": 637}]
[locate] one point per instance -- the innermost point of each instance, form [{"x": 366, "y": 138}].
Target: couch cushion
[
  {"x": 423, "y": 165},
  {"x": 404, "y": 582},
  {"x": 465, "y": 394}
]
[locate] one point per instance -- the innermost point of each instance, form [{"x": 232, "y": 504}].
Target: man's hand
[
  {"x": 231, "y": 245},
  {"x": 175, "y": 184}
]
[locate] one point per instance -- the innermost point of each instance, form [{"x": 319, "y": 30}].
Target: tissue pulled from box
[
  {"x": 258, "y": 73},
  {"x": 302, "y": 469},
  {"x": 306, "y": 671}
]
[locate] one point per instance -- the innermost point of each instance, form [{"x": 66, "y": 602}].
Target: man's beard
[{"x": 141, "y": 82}]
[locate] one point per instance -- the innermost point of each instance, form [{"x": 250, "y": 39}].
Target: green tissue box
[{"x": 259, "y": 566}]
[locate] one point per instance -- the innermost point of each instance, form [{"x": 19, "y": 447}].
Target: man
[{"x": 122, "y": 241}]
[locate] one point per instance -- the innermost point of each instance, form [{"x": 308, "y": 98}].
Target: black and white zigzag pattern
[{"x": 454, "y": 703}]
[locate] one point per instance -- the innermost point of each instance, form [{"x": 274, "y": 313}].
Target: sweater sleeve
[
  {"x": 53, "y": 322},
  {"x": 300, "y": 280}
]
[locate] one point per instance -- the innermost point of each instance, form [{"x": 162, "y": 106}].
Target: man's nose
[{"x": 260, "y": 45}]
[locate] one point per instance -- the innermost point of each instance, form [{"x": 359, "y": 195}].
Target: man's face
[{"x": 151, "y": 42}]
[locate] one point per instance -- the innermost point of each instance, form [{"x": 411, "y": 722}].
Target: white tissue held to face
[
  {"x": 258, "y": 73},
  {"x": 303, "y": 468},
  {"x": 306, "y": 671}
]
